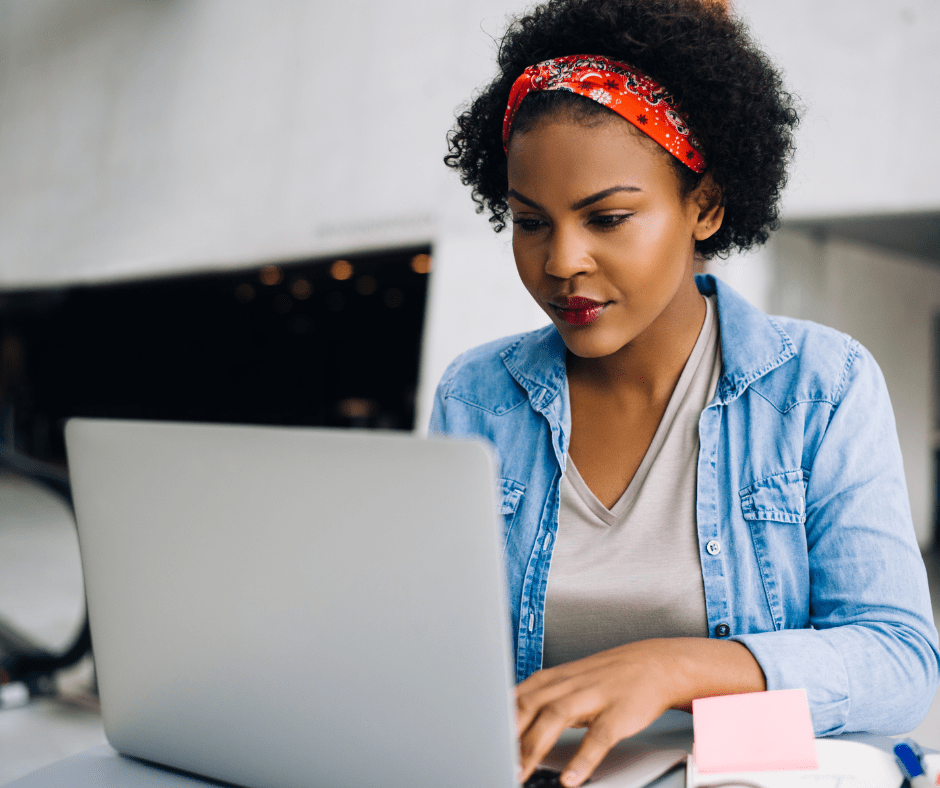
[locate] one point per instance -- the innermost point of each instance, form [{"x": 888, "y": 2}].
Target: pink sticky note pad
[{"x": 757, "y": 731}]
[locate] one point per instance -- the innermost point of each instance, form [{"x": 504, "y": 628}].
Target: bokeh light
[
  {"x": 341, "y": 270},
  {"x": 244, "y": 293},
  {"x": 357, "y": 407},
  {"x": 270, "y": 275},
  {"x": 366, "y": 285},
  {"x": 301, "y": 289},
  {"x": 421, "y": 263},
  {"x": 393, "y": 298}
]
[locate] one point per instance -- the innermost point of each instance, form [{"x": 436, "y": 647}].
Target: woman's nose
[{"x": 567, "y": 255}]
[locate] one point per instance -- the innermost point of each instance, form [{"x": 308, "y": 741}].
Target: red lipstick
[{"x": 577, "y": 310}]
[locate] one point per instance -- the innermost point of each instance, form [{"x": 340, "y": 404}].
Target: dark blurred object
[
  {"x": 21, "y": 659},
  {"x": 290, "y": 344},
  {"x": 544, "y": 778}
]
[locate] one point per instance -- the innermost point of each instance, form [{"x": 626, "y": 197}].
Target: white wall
[
  {"x": 752, "y": 275},
  {"x": 149, "y": 136},
  {"x": 868, "y": 72}
]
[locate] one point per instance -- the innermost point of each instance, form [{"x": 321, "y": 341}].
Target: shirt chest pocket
[
  {"x": 510, "y": 502},
  {"x": 775, "y": 511},
  {"x": 778, "y": 498}
]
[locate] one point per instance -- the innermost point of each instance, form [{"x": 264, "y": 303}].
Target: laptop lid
[{"x": 309, "y": 607}]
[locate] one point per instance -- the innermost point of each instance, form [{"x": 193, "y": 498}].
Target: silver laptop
[{"x": 302, "y": 607}]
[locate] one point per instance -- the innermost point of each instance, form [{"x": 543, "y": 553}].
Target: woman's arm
[
  {"x": 618, "y": 692},
  {"x": 868, "y": 659}
]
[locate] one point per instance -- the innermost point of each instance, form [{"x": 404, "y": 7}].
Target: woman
[{"x": 718, "y": 495}]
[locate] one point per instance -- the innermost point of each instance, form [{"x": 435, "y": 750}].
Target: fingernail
[{"x": 570, "y": 778}]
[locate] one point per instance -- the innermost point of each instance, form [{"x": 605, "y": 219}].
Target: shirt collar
[
  {"x": 537, "y": 363},
  {"x": 752, "y": 344}
]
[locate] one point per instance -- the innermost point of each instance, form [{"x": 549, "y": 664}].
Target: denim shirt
[{"x": 805, "y": 537}]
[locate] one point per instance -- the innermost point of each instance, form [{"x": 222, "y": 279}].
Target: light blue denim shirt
[{"x": 804, "y": 527}]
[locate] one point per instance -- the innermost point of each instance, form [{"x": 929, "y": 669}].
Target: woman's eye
[
  {"x": 528, "y": 225},
  {"x": 606, "y": 220}
]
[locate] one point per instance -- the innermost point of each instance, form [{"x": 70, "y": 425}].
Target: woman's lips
[{"x": 577, "y": 310}]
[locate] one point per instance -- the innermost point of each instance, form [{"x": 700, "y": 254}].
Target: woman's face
[{"x": 603, "y": 238}]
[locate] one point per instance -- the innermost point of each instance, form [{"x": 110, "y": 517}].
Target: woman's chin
[{"x": 589, "y": 344}]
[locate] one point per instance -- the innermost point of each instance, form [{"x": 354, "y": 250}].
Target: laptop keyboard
[{"x": 544, "y": 778}]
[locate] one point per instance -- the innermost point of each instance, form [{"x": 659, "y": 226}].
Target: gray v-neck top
[{"x": 634, "y": 572}]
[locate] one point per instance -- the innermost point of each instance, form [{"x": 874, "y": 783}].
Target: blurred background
[{"x": 237, "y": 212}]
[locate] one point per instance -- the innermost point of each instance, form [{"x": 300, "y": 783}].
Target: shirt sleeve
[
  {"x": 437, "y": 425},
  {"x": 869, "y": 659},
  {"x": 438, "y": 422}
]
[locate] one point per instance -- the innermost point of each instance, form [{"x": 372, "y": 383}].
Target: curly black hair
[{"x": 724, "y": 86}]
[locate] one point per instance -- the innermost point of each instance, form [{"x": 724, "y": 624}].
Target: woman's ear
[{"x": 711, "y": 210}]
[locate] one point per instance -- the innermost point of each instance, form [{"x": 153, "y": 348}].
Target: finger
[
  {"x": 597, "y": 742},
  {"x": 532, "y": 698},
  {"x": 542, "y": 734},
  {"x": 537, "y": 742},
  {"x": 546, "y": 677}
]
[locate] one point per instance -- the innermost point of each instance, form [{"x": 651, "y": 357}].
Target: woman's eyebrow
[
  {"x": 601, "y": 195},
  {"x": 525, "y": 200},
  {"x": 582, "y": 203}
]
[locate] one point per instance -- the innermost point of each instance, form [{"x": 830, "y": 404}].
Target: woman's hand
[{"x": 618, "y": 692}]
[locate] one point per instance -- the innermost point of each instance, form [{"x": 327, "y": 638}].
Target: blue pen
[{"x": 908, "y": 756}]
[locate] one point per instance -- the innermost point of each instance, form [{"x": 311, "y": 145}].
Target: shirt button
[
  {"x": 722, "y": 630},
  {"x": 713, "y": 547}
]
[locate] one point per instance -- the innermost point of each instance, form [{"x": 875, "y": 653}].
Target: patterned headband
[{"x": 619, "y": 87}]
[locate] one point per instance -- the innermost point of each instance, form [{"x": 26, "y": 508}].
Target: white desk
[{"x": 103, "y": 767}]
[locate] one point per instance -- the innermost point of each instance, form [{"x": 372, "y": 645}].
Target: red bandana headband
[{"x": 619, "y": 87}]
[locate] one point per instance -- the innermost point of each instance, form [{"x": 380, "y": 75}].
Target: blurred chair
[{"x": 22, "y": 659}]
